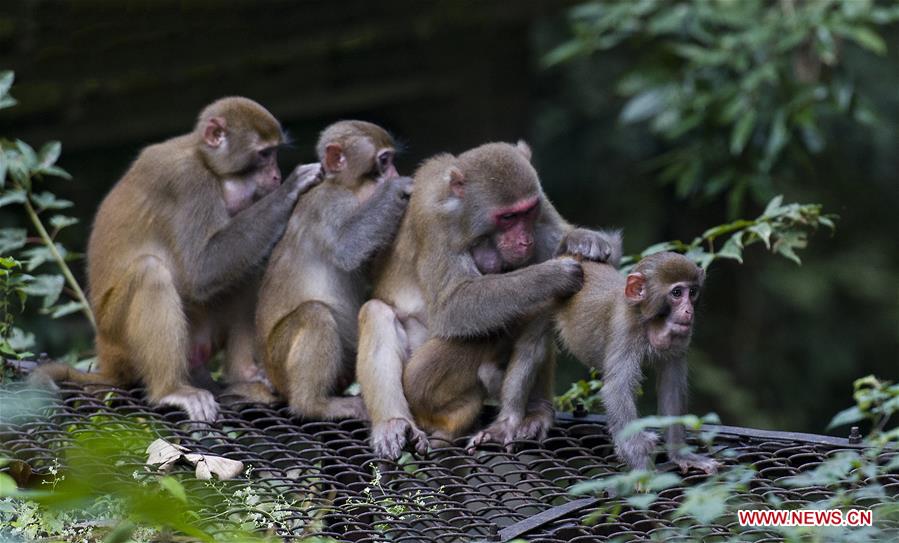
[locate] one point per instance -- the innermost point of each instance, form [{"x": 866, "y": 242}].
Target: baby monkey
[{"x": 616, "y": 323}]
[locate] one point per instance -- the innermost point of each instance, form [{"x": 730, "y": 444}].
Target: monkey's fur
[
  {"x": 173, "y": 240},
  {"x": 430, "y": 286},
  {"x": 316, "y": 281},
  {"x": 615, "y": 323}
]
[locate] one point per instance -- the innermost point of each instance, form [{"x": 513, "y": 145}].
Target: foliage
[
  {"x": 98, "y": 494},
  {"x": 738, "y": 89},
  {"x": 875, "y": 401},
  {"x": 584, "y": 392},
  {"x": 708, "y": 509},
  {"x": 782, "y": 228},
  {"x": 21, "y": 168}
]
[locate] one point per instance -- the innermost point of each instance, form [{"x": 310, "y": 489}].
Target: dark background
[{"x": 777, "y": 346}]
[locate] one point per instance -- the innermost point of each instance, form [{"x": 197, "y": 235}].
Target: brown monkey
[
  {"x": 470, "y": 216},
  {"x": 615, "y": 323},
  {"x": 315, "y": 282},
  {"x": 170, "y": 243}
]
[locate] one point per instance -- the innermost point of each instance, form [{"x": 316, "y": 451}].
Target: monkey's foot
[
  {"x": 687, "y": 460},
  {"x": 199, "y": 404},
  {"x": 389, "y": 438},
  {"x": 637, "y": 449}
]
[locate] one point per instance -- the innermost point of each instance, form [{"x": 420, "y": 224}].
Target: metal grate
[{"x": 323, "y": 471}]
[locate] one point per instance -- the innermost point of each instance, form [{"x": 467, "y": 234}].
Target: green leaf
[
  {"x": 14, "y": 196},
  {"x": 642, "y": 501},
  {"x": 8, "y": 487},
  {"x": 763, "y": 231},
  {"x": 562, "y": 53},
  {"x": 847, "y": 416},
  {"x": 866, "y": 38},
  {"x": 741, "y": 132},
  {"x": 6, "y": 80},
  {"x": 47, "y": 200},
  {"x": 645, "y": 105},
  {"x": 12, "y": 239},
  {"x": 174, "y": 487},
  {"x": 61, "y": 221},
  {"x": 774, "y": 205},
  {"x": 47, "y": 286},
  {"x": 3, "y": 167},
  {"x": 732, "y": 249},
  {"x": 49, "y": 154},
  {"x": 65, "y": 309},
  {"x": 29, "y": 157}
]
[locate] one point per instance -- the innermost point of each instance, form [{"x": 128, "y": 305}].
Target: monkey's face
[
  {"x": 264, "y": 170},
  {"x": 514, "y": 231},
  {"x": 673, "y": 325}
]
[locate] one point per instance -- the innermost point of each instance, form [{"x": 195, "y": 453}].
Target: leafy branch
[
  {"x": 782, "y": 228},
  {"x": 20, "y": 167}
]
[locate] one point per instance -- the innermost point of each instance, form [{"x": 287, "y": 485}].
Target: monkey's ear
[
  {"x": 635, "y": 288},
  {"x": 524, "y": 149},
  {"x": 214, "y": 132},
  {"x": 335, "y": 160},
  {"x": 456, "y": 181}
]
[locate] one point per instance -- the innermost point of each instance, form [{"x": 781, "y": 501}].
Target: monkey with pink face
[{"x": 615, "y": 323}]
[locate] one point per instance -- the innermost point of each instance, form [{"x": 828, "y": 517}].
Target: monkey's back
[
  {"x": 584, "y": 336},
  {"x": 143, "y": 213}
]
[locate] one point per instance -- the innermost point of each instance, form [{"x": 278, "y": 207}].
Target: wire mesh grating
[{"x": 320, "y": 477}]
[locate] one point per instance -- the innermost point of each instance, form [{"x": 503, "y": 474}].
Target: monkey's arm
[
  {"x": 555, "y": 236},
  {"x": 247, "y": 239},
  {"x": 671, "y": 386},
  {"x": 521, "y": 414},
  {"x": 621, "y": 375},
  {"x": 467, "y": 304},
  {"x": 371, "y": 226}
]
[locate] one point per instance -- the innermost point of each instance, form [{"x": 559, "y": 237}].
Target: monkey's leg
[
  {"x": 443, "y": 386},
  {"x": 540, "y": 413},
  {"x": 313, "y": 366},
  {"x": 529, "y": 354},
  {"x": 621, "y": 376},
  {"x": 671, "y": 385},
  {"x": 155, "y": 333},
  {"x": 383, "y": 345}
]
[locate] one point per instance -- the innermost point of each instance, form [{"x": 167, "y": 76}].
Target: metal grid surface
[{"x": 324, "y": 472}]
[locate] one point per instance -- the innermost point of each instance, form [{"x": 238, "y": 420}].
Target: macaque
[
  {"x": 469, "y": 279},
  {"x": 614, "y": 324},
  {"x": 175, "y": 244},
  {"x": 316, "y": 279}
]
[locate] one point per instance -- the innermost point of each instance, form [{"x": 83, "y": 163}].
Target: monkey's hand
[
  {"x": 587, "y": 244},
  {"x": 303, "y": 178},
  {"x": 637, "y": 449},
  {"x": 402, "y": 186},
  {"x": 687, "y": 460},
  {"x": 389, "y": 438},
  {"x": 570, "y": 273}
]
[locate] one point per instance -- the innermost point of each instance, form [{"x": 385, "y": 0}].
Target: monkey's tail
[{"x": 47, "y": 375}]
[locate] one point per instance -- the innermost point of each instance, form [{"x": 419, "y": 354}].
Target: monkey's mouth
[{"x": 680, "y": 329}]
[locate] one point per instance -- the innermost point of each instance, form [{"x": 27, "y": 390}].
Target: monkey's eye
[
  {"x": 693, "y": 292},
  {"x": 384, "y": 161},
  {"x": 507, "y": 217},
  {"x": 677, "y": 292},
  {"x": 266, "y": 153}
]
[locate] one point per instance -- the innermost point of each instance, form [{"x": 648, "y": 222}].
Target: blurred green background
[{"x": 660, "y": 117}]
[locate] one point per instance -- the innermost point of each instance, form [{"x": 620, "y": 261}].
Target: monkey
[
  {"x": 173, "y": 242},
  {"x": 615, "y": 323},
  {"x": 474, "y": 260},
  {"x": 316, "y": 278}
]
